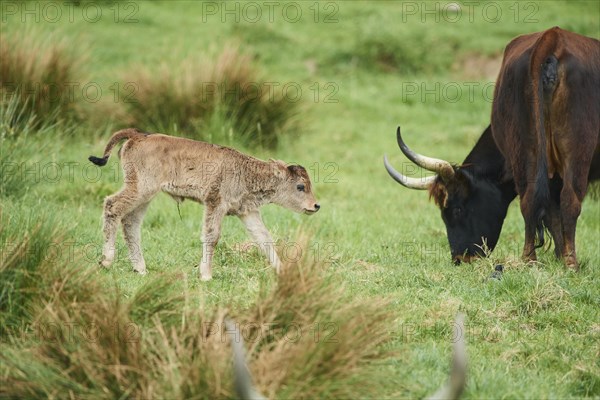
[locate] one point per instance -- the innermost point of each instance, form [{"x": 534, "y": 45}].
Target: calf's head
[
  {"x": 294, "y": 189},
  {"x": 471, "y": 207}
]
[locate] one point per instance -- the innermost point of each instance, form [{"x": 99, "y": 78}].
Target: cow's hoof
[
  {"x": 205, "y": 278},
  {"x": 141, "y": 271},
  {"x": 571, "y": 263}
]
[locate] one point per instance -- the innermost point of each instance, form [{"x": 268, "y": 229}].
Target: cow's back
[{"x": 575, "y": 91}]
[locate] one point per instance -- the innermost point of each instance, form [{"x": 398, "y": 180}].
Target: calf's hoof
[
  {"x": 140, "y": 267},
  {"x": 105, "y": 263},
  {"x": 205, "y": 272}
]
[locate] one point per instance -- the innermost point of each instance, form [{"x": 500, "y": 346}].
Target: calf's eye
[{"x": 300, "y": 187}]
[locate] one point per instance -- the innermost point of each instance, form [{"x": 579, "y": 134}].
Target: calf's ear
[
  {"x": 279, "y": 168},
  {"x": 278, "y": 162},
  {"x": 296, "y": 169}
]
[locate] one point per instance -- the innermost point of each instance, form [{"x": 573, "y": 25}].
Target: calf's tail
[{"x": 114, "y": 140}]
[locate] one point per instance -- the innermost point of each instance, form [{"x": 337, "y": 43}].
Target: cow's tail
[
  {"x": 114, "y": 140},
  {"x": 543, "y": 73}
]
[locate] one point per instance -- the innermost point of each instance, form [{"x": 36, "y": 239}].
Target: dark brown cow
[
  {"x": 546, "y": 123},
  {"x": 543, "y": 144}
]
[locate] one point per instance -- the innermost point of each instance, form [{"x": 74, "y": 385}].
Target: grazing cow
[
  {"x": 226, "y": 181},
  {"x": 543, "y": 145},
  {"x": 452, "y": 390}
]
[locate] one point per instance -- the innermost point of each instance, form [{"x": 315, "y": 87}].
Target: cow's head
[
  {"x": 294, "y": 190},
  {"x": 472, "y": 208}
]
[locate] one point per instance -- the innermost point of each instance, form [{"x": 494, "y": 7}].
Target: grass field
[{"x": 349, "y": 73}]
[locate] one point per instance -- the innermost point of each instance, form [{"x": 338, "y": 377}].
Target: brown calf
[{"x": 226, "y": 181}]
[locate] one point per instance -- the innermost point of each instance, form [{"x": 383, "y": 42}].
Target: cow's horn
[
  {"x": 411, "y": 183},
  {"x": 442, "y": 167}
]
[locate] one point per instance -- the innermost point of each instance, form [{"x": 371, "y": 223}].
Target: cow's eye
[
  {"x": 456, "y": 213},
  {"x": 300, "y": 187}
]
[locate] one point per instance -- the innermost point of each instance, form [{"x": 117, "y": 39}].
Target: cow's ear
[{"x": 439, "y": 193}]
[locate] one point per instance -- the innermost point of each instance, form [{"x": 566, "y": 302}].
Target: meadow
[{"x": 370, "y": 288}]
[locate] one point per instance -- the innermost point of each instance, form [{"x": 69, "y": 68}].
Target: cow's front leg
[
  {"x": 259, "y": 233},
  {"x": 211, "y": 231}
]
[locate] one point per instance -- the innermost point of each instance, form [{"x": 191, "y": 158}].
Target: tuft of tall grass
[
  {"x": 214, "y": 100},
  {"x": 319, "y": 339},
  {"x": 26, "y": 244},
  {"x": 308, "y": 339},
  {"x": 16, "y": 125},
  {"x": 65, "y": 329},
  {"x": 40, "y": 73}
]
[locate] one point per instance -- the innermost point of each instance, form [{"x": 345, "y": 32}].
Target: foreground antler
[
  {"x": 450, "y": 391},
  {"x": 458, "y": 373},
  {"x": 441, "y": 167},
  {"x": 241, "y": 376}
]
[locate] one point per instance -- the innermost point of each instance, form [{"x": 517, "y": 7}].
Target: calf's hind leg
[
  {"x": 132, "y": 231},
  {"x": 115, "y": 208}
]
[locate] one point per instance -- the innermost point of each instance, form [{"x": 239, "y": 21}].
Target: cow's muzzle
[{"x": 467, "y": 258}]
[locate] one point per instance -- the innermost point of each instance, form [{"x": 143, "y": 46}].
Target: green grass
[{"x": 534, "y": 334}]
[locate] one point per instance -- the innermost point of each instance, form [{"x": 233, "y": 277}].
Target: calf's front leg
[
  {"x": 259, "y": 233},
  {"x": 211, "y": 231}
]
